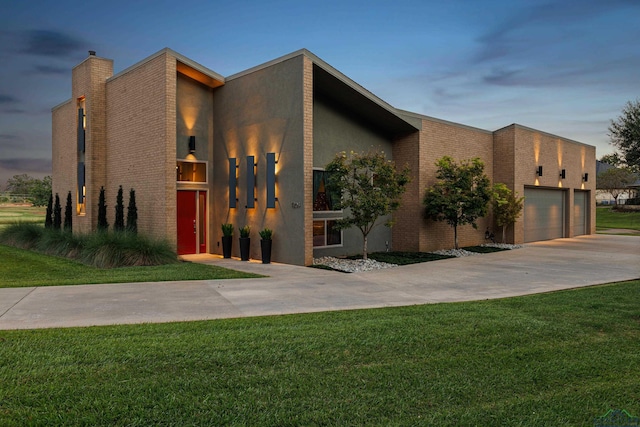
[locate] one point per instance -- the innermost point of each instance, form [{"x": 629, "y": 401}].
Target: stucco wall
[
  {"x": 257, "y": 113},
  {"x": 141, "y": 129},
  {"x": 334, "y": 131}
]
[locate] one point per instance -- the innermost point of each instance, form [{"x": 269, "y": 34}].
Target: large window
[
  {"x": 323, "y": 200},
  {"x": 325, "y": 213},
  {"x": 325, "y": 234}
]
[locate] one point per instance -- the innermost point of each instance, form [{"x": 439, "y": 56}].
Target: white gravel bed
[
  {"x": 502, "y": 245},
  {"x": 351, "y": 265},
  {"x": 357, "y": 265}
]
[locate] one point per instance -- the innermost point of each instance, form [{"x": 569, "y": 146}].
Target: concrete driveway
[{"x": 538, "y": 267}]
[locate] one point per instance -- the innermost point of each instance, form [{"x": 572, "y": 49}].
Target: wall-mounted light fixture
[
  {"x": 251, "y": 181},
  {"x": 585, "y": 177},
  {"x": 233, "y": 182},
  {"x": 271, "y": 180},
  {"x": 539, "y": 171},
  {"x": 192, "y": 144},
  {"x": 562, "y": 174}
]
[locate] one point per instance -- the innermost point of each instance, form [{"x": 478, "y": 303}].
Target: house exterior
[{"x": 200, "y": 150}]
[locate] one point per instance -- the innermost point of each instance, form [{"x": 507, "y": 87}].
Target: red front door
[{"x": 187, "y": 226}]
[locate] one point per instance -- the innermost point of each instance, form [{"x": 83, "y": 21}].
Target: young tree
[
  {"x": 40, "y": 191},
  {"x": 48, "y": 219},
  {"x": 118, "y": 224},
  {"x": 507, "y": 207},
  {"x": 103, "y": 225},
  {"x": 461, "y": 194},
  {"x": 615, "y": 181},
  {"x": 370, "y": 187},
  {"x": 68, "y": 214},
  {"x": 57, "y": 214},
  {"x": 624, "y": 133},
  {"x": 132, "y": 213}
]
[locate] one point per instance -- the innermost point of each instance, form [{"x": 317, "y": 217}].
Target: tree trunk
[
  {"x": 455, "y": 236},
  {"x": 364, "y": 247},
  {"x": 504, "y": 233}
]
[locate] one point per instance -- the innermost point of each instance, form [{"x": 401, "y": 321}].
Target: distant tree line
[{"x": 37, "y": 191}]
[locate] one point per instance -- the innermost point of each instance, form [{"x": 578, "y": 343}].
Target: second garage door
[{"x": 543, "y": 214}]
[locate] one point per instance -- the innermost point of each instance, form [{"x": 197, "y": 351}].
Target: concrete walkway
[{"x": 538, "y": 267}]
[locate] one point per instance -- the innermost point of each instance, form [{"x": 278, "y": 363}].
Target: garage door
[
  {"x": 543, "y": 214},
  {"x": 580, "y": 213}
]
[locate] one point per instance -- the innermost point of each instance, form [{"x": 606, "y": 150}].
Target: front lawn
[
  {"x": 608, "y": 218},
  {"x": 23, "y": 268},
  {"x": 556, "y": 359}
]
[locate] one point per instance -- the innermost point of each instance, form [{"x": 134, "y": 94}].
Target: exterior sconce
[
  {"x": 192, "y": 144},
  {"x": 233, "y": 182},
  {"x": 562, "y": 174},
  {"x": 251, "y": 182},
  {"x": 585, "y": 177},
  {"x": 271, "y": 180},
  {"x": 539, "y": 171}
]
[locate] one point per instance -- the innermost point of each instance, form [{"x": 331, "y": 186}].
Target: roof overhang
[{"x": 330, "y": 84}]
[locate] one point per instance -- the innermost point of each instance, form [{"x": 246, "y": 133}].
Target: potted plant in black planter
[
  {"x": 265, "y": 245},
  {"x": 245, "y": 243},
  {"x": 227, "y": 240}
]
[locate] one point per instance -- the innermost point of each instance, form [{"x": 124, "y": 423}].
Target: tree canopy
[
  {"x": 615, "y": 181},
  {"x": 624, "y": 133},
  {"x": 370, "y": 187},
  {"x": 460, "y": 196},
  {"x": 37, "y": 190}
]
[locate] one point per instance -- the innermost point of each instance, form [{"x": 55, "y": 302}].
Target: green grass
[
  {"x": 10, "y": 214},
  {"x": 607, "y": 218},
  {"x": 556, "y": 359},
  {"x": 23, "y": 268}
]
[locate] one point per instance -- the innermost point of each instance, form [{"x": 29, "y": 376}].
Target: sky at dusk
[{"x": 564, "y": 67}]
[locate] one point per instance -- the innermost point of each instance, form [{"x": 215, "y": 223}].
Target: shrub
[
  {"x": 23, "y": 236},
  {"x": 57, "y": 214},
  {"x": 102, "y": 249},
  {"x": 48, "y": 219},
  {"x": 118, "y": 224},
  {"x": 266, "y": 234},
  {"x": 244, "y": 231},
  {"x": 132, "y": 213},
  {"x": 68, "y": 214},
  {"x": 103, "y": 225},
  {"x": 227, "y": 230}
]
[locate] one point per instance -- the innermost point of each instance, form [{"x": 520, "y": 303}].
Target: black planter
[
  {"x": 265, "y": 247},
  {"x": 245, "y": 243},
  {"x": 227, "y": 242}
]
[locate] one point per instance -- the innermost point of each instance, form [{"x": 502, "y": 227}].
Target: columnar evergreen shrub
[
  {"x": 57, "y": 214},
  {"x": 48, "y": 219},
  {"x": 103, "y": 225},
  {"x": 68, "y": 216},
  {"x": 132, "y": 213},
  {"x": 118, "y": 224}
]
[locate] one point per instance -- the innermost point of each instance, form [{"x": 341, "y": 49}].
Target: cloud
[
  {"x": 7, "y": 99},
  {"x": 50, "y": 70},
  {"x": 26, "y": 165},
  {"x": 51, "y": 43}
]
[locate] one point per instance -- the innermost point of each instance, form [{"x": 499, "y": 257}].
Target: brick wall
[
  {"x": 141, "y": 153},
  {"x": 437, "y": 139},
  {"x": 64, "y": 151}
]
